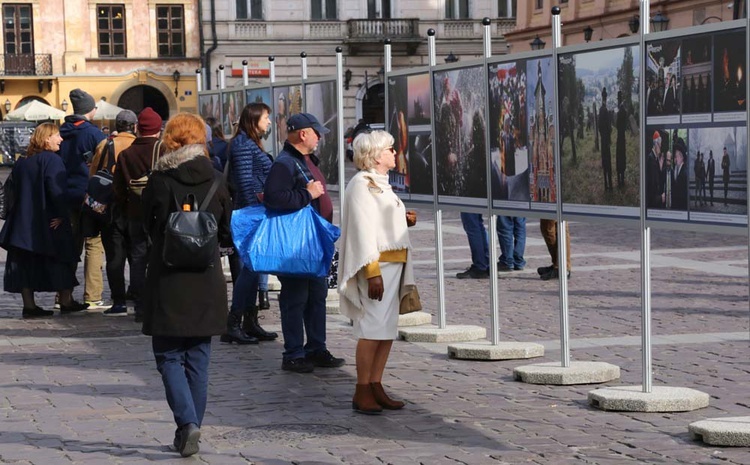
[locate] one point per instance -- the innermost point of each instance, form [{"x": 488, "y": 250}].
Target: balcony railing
[
  {"x": 393, "y": 29},
  {"x": 26, "y": 64}
]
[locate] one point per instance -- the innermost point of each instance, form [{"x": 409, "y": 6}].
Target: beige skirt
[{"x": 380, "y": 320}]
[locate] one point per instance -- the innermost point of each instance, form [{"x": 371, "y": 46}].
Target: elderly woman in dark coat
[
  {"x": 183, "y": 309},
  {"x": 37, "y": 232}
]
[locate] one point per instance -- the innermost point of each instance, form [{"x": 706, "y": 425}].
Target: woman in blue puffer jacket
[{"x": 248, "y": 166}]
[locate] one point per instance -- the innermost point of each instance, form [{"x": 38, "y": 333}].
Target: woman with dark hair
[
  {"x": 183, "y": 308},
  {"x": 37, "y": 232},
  {"x": 248, "y": 166}
]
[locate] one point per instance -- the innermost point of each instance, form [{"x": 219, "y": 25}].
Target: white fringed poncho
[{"x": 374, "y": 221}]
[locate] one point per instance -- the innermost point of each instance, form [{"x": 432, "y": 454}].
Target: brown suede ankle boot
[
  {"x": 364, "y": 402},
  {"x": 382, "y": 398}
]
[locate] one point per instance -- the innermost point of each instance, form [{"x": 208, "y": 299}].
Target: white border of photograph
[
  {"x": 511, "y": 204},
  {"x": 656, "y": 214},
  {"x": 733, "y": 116},
  {"x": 469, "y": 201},
  {"x": 696, "y": 118},
  {"x": 602, "y": 210},
  {"x": 709, "y": 217},
  {"x": 669, "y": 119},
  {"x": 543, "y": 207}
]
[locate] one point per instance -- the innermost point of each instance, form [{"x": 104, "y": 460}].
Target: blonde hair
[
  {"x": 184, "y": 129},
  {"x": 38, "y": 141},
  {"x": 367, "y": 148}
]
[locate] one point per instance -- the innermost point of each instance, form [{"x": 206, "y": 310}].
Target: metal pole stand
[
  {"x": 441, "y": 332},
  {"x": 565, "y": 372},
  {"x": 493, "y": 349}
]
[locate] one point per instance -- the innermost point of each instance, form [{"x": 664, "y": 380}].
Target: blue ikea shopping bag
[{"x": 299, "y": 243}]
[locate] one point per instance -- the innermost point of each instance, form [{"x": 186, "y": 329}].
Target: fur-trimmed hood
[
  {"x": 177, "y": 157},
  {"x": 189, "y": 165}
]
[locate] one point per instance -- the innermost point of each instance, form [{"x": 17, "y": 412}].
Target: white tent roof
[
  {"x": 106, "y": 110},
  {"x": 35, "y": 111}
]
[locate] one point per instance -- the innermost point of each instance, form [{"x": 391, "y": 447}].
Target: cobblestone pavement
[{"x": 83, "y": 389}]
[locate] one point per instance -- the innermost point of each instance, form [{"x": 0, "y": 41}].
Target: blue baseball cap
[{"x": 305, "y": 120}]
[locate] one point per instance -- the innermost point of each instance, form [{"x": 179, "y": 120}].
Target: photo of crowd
[
  {"x": 233, "y": 102},
  {"x": 321, "y": 102},
  {"x": 540, "y": 114},
  {"x": 508, "y": 132},
  {"x": 599, "y": 130},
  {"x": 460, "y": 132},
  {"x": 663, "y": 81}
]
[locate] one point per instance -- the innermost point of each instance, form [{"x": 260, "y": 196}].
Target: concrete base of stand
[
  {"x": 734, "y": 431},
  {"x": 431, "y": 333},
  {"x": 485, "y": 350},
  {"x": 660, "y": 399},
  {"x": 273, "y": 283},
  {"x": 414, "y": 319},
  {"x": 332, "y": 307},
  {"x": 577, "y": 373}
]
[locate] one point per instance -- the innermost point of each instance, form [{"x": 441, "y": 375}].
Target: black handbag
[
  {"x": 191, "y": 235},
  {"x": 100, "y": 191}
]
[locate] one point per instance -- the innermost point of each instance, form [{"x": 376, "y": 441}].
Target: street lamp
[
  {"x": 537, "y": 43},
  {"x": 634, "y": 24},
  {"x": 451, "y": 58},
  {"x": 588, "y": 32},
  {"x": 64, "y": 105},
  {"x": 347, "y": 78},
  {"x": 176, "y": 77},
  {"x": 659, "y": 22}
]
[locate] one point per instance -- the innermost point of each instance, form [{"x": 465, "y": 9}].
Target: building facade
[
  {"x": 609, "y": 19},
  {"x": 132, "y": 53},
  {"x": 253, "y": 30}
]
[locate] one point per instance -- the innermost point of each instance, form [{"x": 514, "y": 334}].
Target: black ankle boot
[
  {"x": 234, "y": 331},
  {"x": 263, "y": 303},
  {"x": 252, "y": 328}
]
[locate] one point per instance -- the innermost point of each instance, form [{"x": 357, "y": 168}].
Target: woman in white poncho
[{"x": 375, "y": 268}]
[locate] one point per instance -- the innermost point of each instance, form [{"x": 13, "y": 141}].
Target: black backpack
[
  {"x": 191, "y": 237},
  {"x": 100, "y": 192}
]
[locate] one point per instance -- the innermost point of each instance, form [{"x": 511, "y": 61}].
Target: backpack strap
[
  {"x": 155, "y": 154},
  {"x": 110, "y": 148},
  {"x": 307, "y": 179},
  {"x": 211, "y": 192}
]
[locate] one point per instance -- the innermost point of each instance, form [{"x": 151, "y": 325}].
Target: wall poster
[
  {"x": 321, "y": 102},
  {"x": 233, "y": 101},
  {"x": 287, "y": 101}
]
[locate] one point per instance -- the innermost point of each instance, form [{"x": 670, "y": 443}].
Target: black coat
[
  {"x": 184, "y": 303},
  {"x": 40, "y": 183},
  {"x": 680, "y": 190}
]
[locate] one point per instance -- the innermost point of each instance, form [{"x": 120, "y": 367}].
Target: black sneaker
[
  {"x": 297, "y": 365},
  {"x": 36, "y": 312},
  {"x": 552, "y": 274},
  {"x": 324, "y": 359},
  {"x": 542, "y": 270},
  {"x": 473, "y": 273},
  {"x": 190, "y": 434},
  {"x": 73, "y": 307},
  {"x": 503, "y": 268}
]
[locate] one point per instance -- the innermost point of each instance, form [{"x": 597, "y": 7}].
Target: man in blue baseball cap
[{"x": 294, "y": 182}]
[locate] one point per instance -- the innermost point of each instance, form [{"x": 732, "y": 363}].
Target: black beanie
[{"x": 82, "y": 101}]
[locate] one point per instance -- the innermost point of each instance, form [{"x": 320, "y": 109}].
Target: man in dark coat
[
  {"x": 725, "y": 165},
  {"x": 605, "y": 131},
  {"x": 710, "y": 173},
  {"x": 622, "y": 125},
  {"x": 654, "y": 192},
  {"x": 133, "y": 163},
  {"x": 680, "y": 184},
  {"x": 294, "y": 182},
  {"x": 80, "y": 139}
]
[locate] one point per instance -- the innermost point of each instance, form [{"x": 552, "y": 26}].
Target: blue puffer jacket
[
  {"x": 79, "y": 137},
  {"x": 248, "y": 170}
]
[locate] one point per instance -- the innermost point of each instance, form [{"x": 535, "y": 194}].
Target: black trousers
[{"x": 115, "y": 240}]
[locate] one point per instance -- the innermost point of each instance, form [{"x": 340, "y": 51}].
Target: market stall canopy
[
  {"x": 35, "y": 111},
  {"x": 106, "y": 110}
]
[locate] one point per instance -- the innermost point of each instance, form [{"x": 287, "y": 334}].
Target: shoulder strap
[
  {"x": 110, "y": 155},
  {"x": 155, "y": 153},
  {"x": 211, "y": 192},
  {"x": 108, "y": 148},
  {"x": 301, "y": 171}
]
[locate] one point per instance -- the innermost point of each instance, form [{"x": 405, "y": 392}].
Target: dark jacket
[
  {"x": 249, "y": 168},
  {"x": 680, "y": 189},
  {"x": 218, "y": 149},
  {"x": 79, "y": 137},
  {"x": 286, "y": 186},
  {"x": 184, "y": 303},
  {"x": 132, "y": 163},
  {"x": 40, "y": 184}
]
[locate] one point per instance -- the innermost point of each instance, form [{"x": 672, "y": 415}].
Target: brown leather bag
[{"x": 410, "y": 302}]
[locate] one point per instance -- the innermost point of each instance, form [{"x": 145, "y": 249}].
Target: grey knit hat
[{"x": 82, "y": 101}]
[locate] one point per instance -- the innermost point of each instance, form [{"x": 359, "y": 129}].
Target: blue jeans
[
  {"x": 263, "y": 282},
  {"x": 302, "y": 302},
  {"x": 511, "y": 233},
  {"x": 183, "y": 364},
  {"x": 477, "y": 236},
  {"x": 245, "y": 291}
]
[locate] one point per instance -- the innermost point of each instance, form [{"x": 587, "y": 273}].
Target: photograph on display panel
[
  {"x": 540, "y": 114},
  {"x": 209, "y": 106},
  {"x": 233, "y": 102},
  {"x": 667, "y": 172},
  {"x": 460, "y": 133},
  {"x": 287, "y": 101},
  {"x": 321, "y": 102},
  {"x": 398, "y": 103},
  {"x": 508, "y": 132},
  {"x": 599, "y": 130},
  {"x": 419, "y": 100},
  {"x": 718, "y": 180},
  {"x": 663, "y": 80},
  {"x": 263, "y": 95},
  {"x": 729, "y": 72},
  {"x": 696, "y": 78}
]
